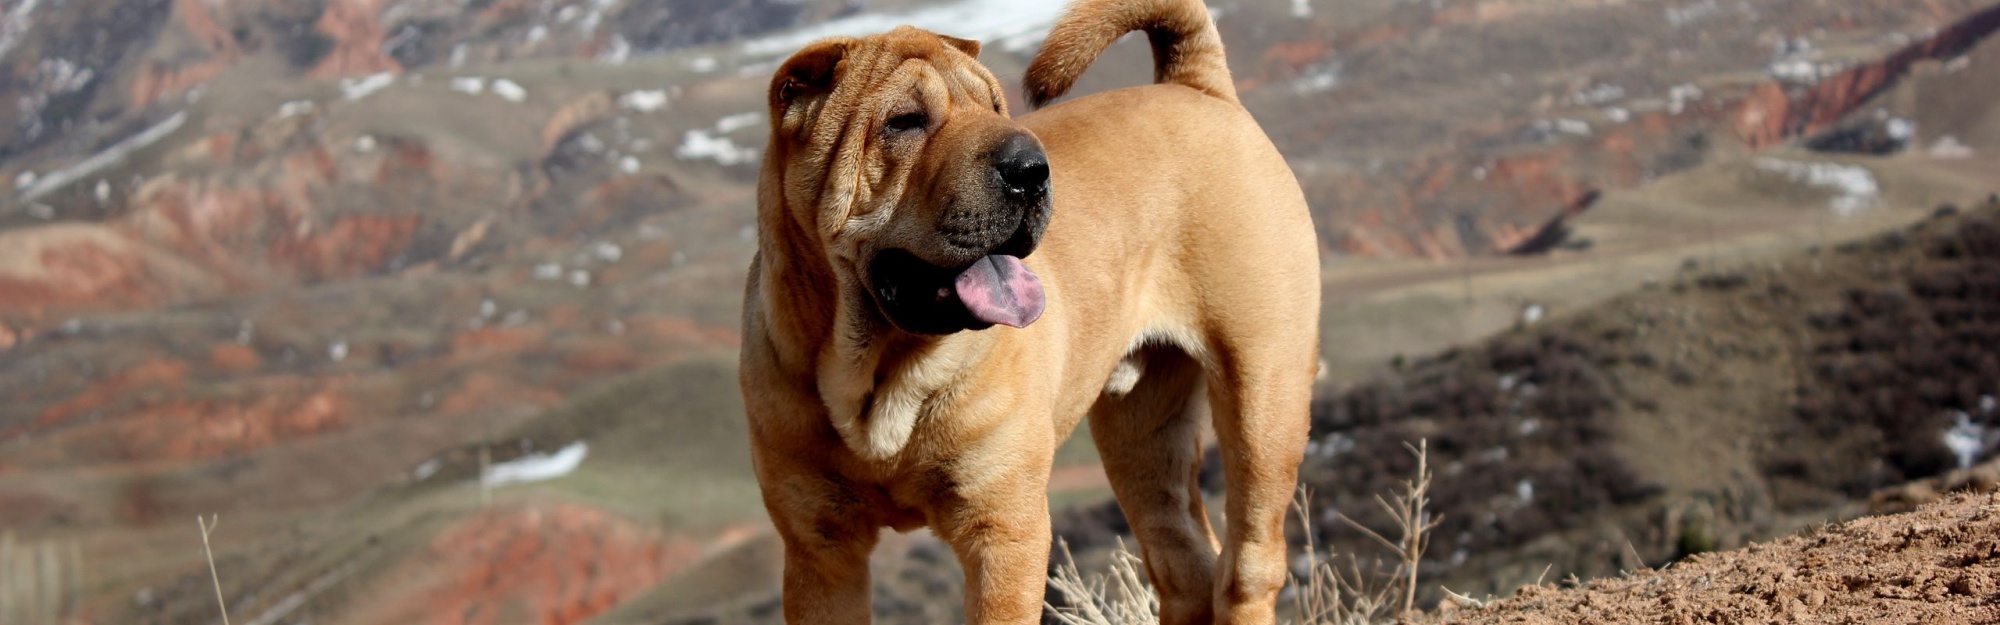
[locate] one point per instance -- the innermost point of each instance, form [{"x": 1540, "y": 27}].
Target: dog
[{"x": 942, "y": 292}]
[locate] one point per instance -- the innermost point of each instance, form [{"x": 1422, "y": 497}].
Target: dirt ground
[{"x": 1938, "y": 564}]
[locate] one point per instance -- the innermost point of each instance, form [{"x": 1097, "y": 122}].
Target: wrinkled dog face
[{"x": 897, "y": 152}]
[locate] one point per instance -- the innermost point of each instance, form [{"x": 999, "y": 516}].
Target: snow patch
[
  {"x": 737, "y": 122},
  {"x": 617, "y": 53},
  {"x": 355, "y": 89},
  {"x": 43, "y": 185},
  {"x": 1600, "y": 93},
  {"x": 1682, "y": 16},
  {"x": 702, "y": 144},
  {"x": 699, "y": 144},
  {"x": 63, "y": 76},
  {"x": 1965, "y": 439},
  {"x": 596, "y": 16},
  {"x": 509, "y": 90},
  {"x": 474, "y": 85},
  {"x": 16, "y": 22},
  {"x": 1573, "y": 126},
  {"x": 1680, "y": 95},
  {"x": 548, "y": 271},
  {"x": 647, "y": 101},
  {"x": 1319, "y": 79},
  {"x": 295, "y": 108},
  {"x": 426, "y": 470},
  {"x": 1900, "y": 129},
  {"x": 1948, "y": 147},
  {"x": 1854, "y": 187},
  {"x": 536, "y": 467},
  {"x": 1011, "y": 25},
  {"x": 1335, "y": 444},
  {"x": 1802, "y": 70}
]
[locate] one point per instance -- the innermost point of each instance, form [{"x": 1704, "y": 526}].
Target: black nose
[{"x": 1023, "y": 168}]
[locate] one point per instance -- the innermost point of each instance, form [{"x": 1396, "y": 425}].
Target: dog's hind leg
[
  {"x": 1260, "y": 395},
  {"x": 1149, "y": 440}
]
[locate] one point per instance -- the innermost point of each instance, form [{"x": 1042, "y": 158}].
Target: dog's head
[{"x": 896, "y": 151}]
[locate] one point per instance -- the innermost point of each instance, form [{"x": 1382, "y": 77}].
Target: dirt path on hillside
[{"x": 1939, "y": 564}]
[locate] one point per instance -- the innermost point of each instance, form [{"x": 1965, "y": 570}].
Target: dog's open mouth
[{"x": 924, "y": 298}]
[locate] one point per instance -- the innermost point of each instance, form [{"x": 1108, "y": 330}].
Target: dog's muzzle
[{"x": 973, "y": 277}]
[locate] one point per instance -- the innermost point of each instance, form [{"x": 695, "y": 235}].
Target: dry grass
[
  {"x": 1121, "y": 597},
  {"x": 1326, "y": 594},
  {"x": 208, "y": 525},
  {"x": 41, "y": 582}
]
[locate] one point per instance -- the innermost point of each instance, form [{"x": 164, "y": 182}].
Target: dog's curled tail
[{"x": 1186, "y": 49}]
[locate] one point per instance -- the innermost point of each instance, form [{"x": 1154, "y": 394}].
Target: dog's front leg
[
  {"x": 827, "y": 530},
  {"x": 826, "y": 582},
  {"x": 1001, "y": 535}
]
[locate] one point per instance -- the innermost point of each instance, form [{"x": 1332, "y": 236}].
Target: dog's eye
[{"x": 907, "y": 122}]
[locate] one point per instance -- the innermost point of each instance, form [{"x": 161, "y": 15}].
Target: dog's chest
[{"x": 875, "y": 415}]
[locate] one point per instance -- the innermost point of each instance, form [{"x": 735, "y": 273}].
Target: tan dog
[{"x": 1144, "y": 244}]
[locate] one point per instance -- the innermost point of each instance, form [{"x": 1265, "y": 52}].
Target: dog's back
[{"x": 1186, "y": 49}]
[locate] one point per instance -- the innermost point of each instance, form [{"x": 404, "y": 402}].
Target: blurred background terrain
[{"x": 435, "y": 302}]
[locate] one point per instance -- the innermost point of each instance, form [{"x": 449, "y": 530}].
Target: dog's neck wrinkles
[
  {"x": 875, "y": 381},
  {"x": 877, "y": 389}
]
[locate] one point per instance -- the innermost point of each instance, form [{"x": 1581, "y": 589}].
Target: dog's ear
[
  {"x": 968, "y": 46},
  {"x": 810, "y": 72}
]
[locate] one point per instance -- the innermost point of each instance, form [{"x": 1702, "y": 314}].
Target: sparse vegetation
[
  {"x": 1899, "y": 361},
  {"x": 208, "y": 525},
  {"x": 1323, "y": 593}
]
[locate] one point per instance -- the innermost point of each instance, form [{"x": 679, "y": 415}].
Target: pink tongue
[{"x": 1000, "y": 289}]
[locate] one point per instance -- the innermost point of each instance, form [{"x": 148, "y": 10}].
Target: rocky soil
[{"x": 1938, "y": 564}]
